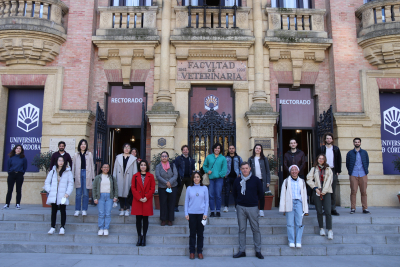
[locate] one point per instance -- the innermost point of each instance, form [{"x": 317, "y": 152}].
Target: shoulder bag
[{"x": 206, "y": 178}]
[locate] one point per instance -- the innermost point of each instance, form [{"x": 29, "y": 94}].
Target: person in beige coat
[
  {"x": 320, "y": 179},
  {"x": 83, "y": 172},
  {"x": 125, "y": 167},
  {"x": 293, "y": 202}
]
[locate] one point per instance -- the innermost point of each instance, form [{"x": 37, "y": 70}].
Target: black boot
[
  {"x": 139, "y": 241},
  {"x": 143, "y": 241}
]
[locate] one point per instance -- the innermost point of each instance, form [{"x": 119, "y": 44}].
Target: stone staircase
[{"x": 25, "y": 231}]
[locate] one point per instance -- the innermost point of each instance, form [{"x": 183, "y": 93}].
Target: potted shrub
[
  {"x": 42, "y": 162},
  {"x": 273, "y": 164}
]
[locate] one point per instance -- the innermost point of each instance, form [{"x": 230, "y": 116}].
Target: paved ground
[{"x": 38, "y": 259}]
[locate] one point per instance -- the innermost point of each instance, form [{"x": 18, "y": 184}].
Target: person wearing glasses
[{"x": 167, "y": 175}]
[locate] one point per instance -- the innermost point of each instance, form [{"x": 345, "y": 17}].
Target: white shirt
[
  {"x": 329, "y": 156},
  {"x": 105, "y": 184},
  {"x": 258, "y": 169}
]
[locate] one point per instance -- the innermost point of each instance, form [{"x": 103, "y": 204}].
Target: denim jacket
[
  {"x": 237, "y": 160},
  {"x": 180, "y": 165}
]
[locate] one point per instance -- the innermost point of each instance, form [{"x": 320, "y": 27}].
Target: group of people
[{"x": 132, "y": 185}]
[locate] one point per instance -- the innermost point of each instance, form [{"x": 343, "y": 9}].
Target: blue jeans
[
  {"x": 105, "y": 206},
  {"x": 294, "y": 220},
  {"x": 215, "y": 193},
  {"x": 80, "y": 191}
]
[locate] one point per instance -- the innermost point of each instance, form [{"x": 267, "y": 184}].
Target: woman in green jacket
[
  {"x": 215, "y": 166},
  {"x": 105, "y": 192}
]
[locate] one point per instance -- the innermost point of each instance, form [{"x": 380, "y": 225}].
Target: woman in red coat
[{"x": 143, "y": 187}]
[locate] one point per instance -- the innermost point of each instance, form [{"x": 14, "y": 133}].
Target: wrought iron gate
[
  {"x": 100, "y": 135},
  {"x": 324, "y": 125},
  {"x": 205, "y": 130}
]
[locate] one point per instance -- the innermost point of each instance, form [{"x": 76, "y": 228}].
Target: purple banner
[
  {"x": 24, "y": 124},
  {"x": 390, "y": 130}
]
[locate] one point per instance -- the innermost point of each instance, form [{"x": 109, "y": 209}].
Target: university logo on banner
[
  {"x": 24, "y": 124},
  {"x": 210, "y": 102},
  {"x": 390, "y": 130}
]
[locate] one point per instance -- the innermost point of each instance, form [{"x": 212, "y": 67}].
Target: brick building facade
[{"x": 79, "y": 52}]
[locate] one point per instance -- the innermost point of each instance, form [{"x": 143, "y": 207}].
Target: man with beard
[
  {"x": 294, "y": 157},
  {"x": 334, "y": 160},
  {"x": 357, "y": 162},
  {"x": 61, "y": 152}
]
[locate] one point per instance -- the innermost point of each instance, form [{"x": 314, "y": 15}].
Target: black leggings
[
  {"x": 14, "y": 178},
  {"x": 54, "y": 208},
  {"x": 139, "y": 219}
]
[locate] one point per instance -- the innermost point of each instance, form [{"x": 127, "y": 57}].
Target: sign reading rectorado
[{"x": 212, "y": 70}]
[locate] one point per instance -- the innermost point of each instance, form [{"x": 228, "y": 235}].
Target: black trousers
[
  {"x": 326, "y": 203},
  {"x": 139, "y": 219},
  {"x": 14, "y": 178},
  {"x": 228, "y": 185},
  {"x": 124, "y": 203},
  {"x": 167, "y": 204},
  {"x": 185, "y": 181},
  {"x": 333, "y": 195},
  {"x": 196, "y": 228},
  {"x": 261, "y": 202},
  {"x": 54, "y": 209}
]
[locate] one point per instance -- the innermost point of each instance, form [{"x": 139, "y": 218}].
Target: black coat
[{"x": 337, "y": 157}]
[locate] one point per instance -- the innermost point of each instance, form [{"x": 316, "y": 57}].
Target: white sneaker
[
  {"x": 52, "y": 230},
  {"x": 105, "y": 231},
  {"x": 121, "y": 213},
  {"x": 226, "y": 209},
  {"x": 261, "y": 213},
  {"x": 62, "y": 231},
  {"x": 322, "y": 232},
  {"x": 84, "y": 213},
  {"x": 291, "y": 245},
  {"x": 100, "y": 232},
  {"x": 76, "y": 214},
  {"x": 18, "y": 207},
  {"x": 6, "y": 207},
  {"x": 298, "y": 245},
  {"x": 127, "y": 213},
  {"x": 330, "y": 234}
]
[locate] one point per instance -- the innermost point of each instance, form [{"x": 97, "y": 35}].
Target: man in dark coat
[{"x": 61, "y": 152}]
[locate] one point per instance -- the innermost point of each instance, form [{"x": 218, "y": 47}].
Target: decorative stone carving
[
  {"x": 276, "y": 21},
  {"x": 297, "y": 58},
  {"x": 149, "y": 20},
  {"x": 181, "y": 19},
  {"x": 385, "y": 55},
  {"x": 318, "y": 24}
]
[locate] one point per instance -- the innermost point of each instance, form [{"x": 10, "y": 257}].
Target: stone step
[
  {"x": 180, "y": 220},
  {"x": 341, "y": 229},
  {"x": 183, "y": 250}
]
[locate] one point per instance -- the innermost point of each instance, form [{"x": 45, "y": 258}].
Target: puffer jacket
[
  {"x": 286, "y": 201},
  {"x": 57, "y": 191},
  {"x": 351, "y": 160}
]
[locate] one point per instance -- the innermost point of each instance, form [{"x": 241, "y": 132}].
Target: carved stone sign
[
  {"x": 266, "y": 143},
  {"x": 70, "y": 145},
  {"x": 211, "y": 70},
  {"x": 162, "y": 142}
]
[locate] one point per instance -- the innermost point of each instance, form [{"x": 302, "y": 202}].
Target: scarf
[
  {"x": 165, "y": 166},
  {"x": 321, "y": 174},
  {"x": 243, "y": 184}
]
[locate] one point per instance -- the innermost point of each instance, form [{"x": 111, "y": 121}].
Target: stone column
[
  {"x": 164, "y": 94},
  {"x": 259, "y": 97}
]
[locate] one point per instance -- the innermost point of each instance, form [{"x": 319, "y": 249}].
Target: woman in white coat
[
  {"x": 59, "y": 184},
  {"x": 294, "y": 203},
  {"x": 125, "y": 167}
]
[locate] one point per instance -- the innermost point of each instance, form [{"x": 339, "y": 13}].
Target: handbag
[{"x": 206, "y": 178}]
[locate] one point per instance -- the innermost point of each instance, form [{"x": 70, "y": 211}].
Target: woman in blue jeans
[
  {"x": 83, "y": 171},
  {"x": 215, "y": 165},
  {"x": 105, "y": 192},
  {"x": 294, "y": 203}
]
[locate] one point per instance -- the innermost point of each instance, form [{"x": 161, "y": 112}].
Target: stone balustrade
[
  {"x": 31, "y": 32},
  {"x": 377, "y": 13},
  {"x": 50, "y": 10},
  {"x": 304, "y": 22},
  {"x": 123, "y": 17},
  {"x": 379, "y": 33},
  {"x": 212, "y": 17}
]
